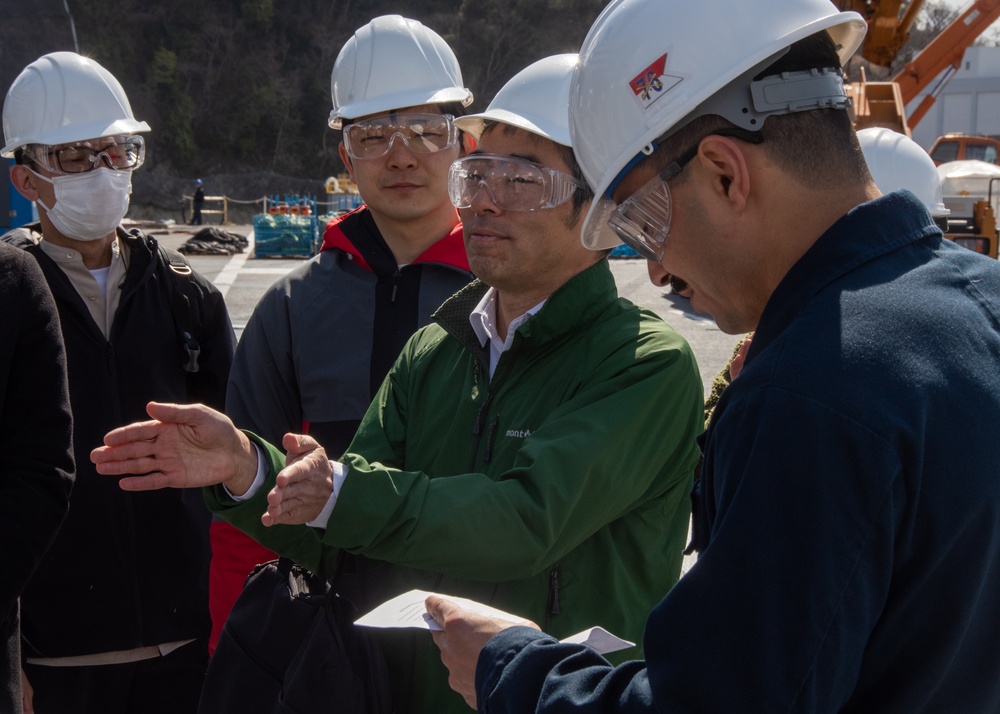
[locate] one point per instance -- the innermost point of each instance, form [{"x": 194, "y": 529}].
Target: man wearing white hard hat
[
  {"x": 532, "y": 449},
  {"x": 116, "y": 617},
  {"x": 322, "y": 339},
  {"x": 847, "y": 517}
]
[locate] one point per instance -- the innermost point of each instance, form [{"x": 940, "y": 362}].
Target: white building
[{"x": 969, "y": 103}]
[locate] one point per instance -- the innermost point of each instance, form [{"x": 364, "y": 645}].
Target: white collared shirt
[
  {"x": 484, "y": 323},
  {"x": 100, "y": 289}
]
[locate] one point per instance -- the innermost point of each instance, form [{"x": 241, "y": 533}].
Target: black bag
[{"x": 290, "y": 645}]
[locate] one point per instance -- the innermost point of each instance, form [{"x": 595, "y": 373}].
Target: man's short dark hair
[{"x": 818, "y": 147}]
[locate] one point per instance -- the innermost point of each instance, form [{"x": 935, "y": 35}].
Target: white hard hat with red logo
[
  {"x": 392, "y": 63},
  {"x": 63, "y": 97},
  {"x": 649, "y": 67}
]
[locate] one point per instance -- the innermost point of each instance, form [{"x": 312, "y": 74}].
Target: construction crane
[
  {"x": 889, "y": 23},
  {"x": 944, "y": 55},
  {"x": 884, "y": 103}
]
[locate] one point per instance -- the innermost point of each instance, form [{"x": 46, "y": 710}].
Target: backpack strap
[
  {"x": 24, "y": 237},
  {"x": 183, "y": 303}
]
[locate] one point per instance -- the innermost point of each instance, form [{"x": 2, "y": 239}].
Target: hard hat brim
[{"x": 76, "y": 133}]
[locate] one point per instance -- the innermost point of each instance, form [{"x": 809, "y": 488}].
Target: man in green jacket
[{"x": 533, "y": 449}]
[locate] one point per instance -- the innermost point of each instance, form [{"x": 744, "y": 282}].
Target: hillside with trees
[{"x": 235, "y": 87}]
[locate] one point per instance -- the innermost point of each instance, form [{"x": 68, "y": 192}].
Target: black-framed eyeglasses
[{"x": 122, "y": 153}]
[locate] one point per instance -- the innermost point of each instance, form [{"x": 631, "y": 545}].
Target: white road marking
[
  {"x": 225, "y": 279},
  {"x": 236, "y": 267}
]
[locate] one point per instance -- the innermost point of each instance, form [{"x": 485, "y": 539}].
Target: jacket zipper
[
  {"x": 477, "y": 428},
  {"x": 129, "y": 510},
  {"x": 553, "y": 608},
  {"x": 395, "y": 285},
  {"x": 490, "y": 434}
]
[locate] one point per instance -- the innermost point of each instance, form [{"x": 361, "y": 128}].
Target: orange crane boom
[
  {"x": 944, "y": 54},
  {"x": 889, "y": 23}
]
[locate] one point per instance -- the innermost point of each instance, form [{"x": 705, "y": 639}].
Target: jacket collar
[
  {"x": 863, "y": 234},
  {"x": 450, "y": 250},
  {"x": 579, "y": 301}
]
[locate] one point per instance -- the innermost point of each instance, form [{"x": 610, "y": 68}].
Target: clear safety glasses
[
  {"x": 421, "y": 133},
  {"x": 513, "y": 184},
  {"x": 123, "y": 153},
  {"x": 642, "y": 220}
]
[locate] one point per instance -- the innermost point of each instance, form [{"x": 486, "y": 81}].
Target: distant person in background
[
  {"x": 197, "y": 203},
  {"x": 115, "y": 619},
  {"x": 36, "y": 445},
  {"x": 322, "y": 339}
]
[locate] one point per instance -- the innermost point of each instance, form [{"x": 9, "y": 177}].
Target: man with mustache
[{"x": 847, "y": 516}]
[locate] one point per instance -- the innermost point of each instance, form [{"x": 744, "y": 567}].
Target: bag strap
[{"x": 183, "y": 306}]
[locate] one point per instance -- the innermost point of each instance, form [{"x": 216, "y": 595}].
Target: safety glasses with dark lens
[
  {"x": 123, "y": 153},
  {"x": 421, "y": 133},
  {"x": 513, "y": 184},
  {"x": 642, "y": 220}
]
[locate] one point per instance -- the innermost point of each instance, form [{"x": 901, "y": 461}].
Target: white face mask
[{"x": 88, "y": 206}]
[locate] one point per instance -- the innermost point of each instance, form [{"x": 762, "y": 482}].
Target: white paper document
[{"x": 407, "y": 610}]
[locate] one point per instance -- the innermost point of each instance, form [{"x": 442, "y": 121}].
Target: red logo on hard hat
[
  {"x": 649, "y": 85},
  {"x": 648, "y": 80}
]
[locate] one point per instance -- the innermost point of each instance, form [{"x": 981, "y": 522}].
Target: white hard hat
[
  {"x": 392, "y": 63},
  {"x": 897, "y": 161},
  {"x": 535, "y": 99},
  {"x": 648, "y": 67},
  {"x": 63, "y": 97}
]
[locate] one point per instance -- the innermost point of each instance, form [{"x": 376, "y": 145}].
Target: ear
[
  {"x": 468, "y": 144},
  {"x": 24, "y": 181},
  {"x": 726, "y": 162},
  {"x": 345, "y": 157}
]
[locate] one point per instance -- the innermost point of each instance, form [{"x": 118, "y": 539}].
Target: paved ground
[{"x": 243, "y": 279}]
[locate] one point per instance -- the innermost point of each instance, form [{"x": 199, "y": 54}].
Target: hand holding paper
[
  {"x": 461, "y": 637},
  {"x": 408, "y": 610},
  {"x": 462, "y": 627}
]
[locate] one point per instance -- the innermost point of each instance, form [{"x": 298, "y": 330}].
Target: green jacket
[{"x": 557, "y": 491}]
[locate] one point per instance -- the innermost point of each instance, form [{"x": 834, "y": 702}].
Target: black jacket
[
  {"x": 128, "y": 569},
  {"x": 36, "y": 458}
]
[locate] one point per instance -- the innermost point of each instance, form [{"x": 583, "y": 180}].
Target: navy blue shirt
[{"x": 848, "y": 515}]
